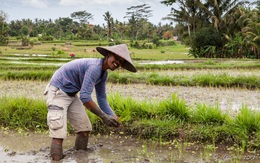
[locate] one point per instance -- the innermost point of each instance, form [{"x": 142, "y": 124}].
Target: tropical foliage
[{"x": 234, "y": 22}]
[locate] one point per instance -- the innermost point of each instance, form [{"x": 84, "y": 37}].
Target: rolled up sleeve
[{"x": 102, "y": 97}]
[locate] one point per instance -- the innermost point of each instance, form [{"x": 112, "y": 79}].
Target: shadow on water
[{"x": 24, "y": 147}]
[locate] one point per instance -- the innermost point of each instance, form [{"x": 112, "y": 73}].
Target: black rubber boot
[
  {"x": 81, "y": 142},
  {"x": 56, "y": 149}
]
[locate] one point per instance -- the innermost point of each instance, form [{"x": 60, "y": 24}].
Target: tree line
[
  {"x": 218, "y": 28},
  {"x": 212, "y": 28},
  {"x": 77, "y": 27}
]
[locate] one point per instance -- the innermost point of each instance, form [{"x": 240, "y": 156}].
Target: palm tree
[
  {"x": 216, "y": 10},
  {"x": 120, "y": 28},
  {"x": 252, "y": 33},
  {"x": 109, "y": 19},
  {"x": 187, "y": 14},
  {"x": 233, "y": 23},
  {"x": 137, "y": 17}
]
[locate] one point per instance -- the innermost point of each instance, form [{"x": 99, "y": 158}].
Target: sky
[{"x": 53, "y": 9}]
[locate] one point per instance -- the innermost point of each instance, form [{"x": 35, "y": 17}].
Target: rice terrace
[{"x": 194, "y": 98}]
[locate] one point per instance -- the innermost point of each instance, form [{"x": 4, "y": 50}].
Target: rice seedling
[
  {"x": 42, "y": 68},
  {"x": 145, "y": 151},
  {"x": 21, "y": 112},
  {"x": 247, "y": 119},
  {"x": 26, "y": 75},
  {"x": 154, "y": 128},
  {"x": 208, "y": 114},
  {"x": 164, "y": 120},
  {"x": 208, "y": 150},
  {"x": 123, "y": 107},
  {"x": 180, "y": 146},
  {"x": 174, "y": 107},
  {"x": 245, "y": 124}
]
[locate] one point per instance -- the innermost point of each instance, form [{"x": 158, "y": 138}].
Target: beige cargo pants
[{"x": 62, "y": 107}]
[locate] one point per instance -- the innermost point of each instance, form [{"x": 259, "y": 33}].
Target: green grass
[
  {"x": 23, "y": 113},
  {"x": 170, "y": 53},
  {"x": 88, "y": 49},
  {"x": 155, "y": 78},
  {"x": 208, "y": 114},
  {"x": 205, "y": 80},
  {"x": 167, "y": 120}
]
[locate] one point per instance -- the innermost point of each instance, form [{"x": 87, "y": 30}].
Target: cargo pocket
[
  {"x": 46, "y": 89},
  {"x": 55, "y": 117}
]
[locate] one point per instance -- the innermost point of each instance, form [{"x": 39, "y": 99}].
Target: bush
[
  {"x": 143, "y": 46},
  {"x": 203, "y": 39},
  {"x": 46, "y": 38},
  {"x": 3, "y": 40},
  {"x": 60, "y": 52},
  {"x": 156, "y": 40},
  {"x": 167, "y": 43}
]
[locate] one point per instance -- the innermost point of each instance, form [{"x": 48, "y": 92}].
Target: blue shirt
[{"x": 83, "y": 75}]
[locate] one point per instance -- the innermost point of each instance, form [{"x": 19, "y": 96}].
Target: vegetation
[
  {"x": 232, "y": 25},
  {"x": 164, "y": 120},
  {"x": 168, "y": 119},
  {"x": 41, "y": 68},
  {"x": 219, "y": 41},
  {"x": 218, "y": 29}
]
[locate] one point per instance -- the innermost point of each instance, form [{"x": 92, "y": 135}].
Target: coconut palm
[
  {"x": 252, "y": 33},
  {"x": 109, "y": 19},
  {"x": 233, "y": 23},
  {"x": 216, "y": 10},
  {"x": 187, "y": 14},
  {"x": 121, "y": 28}
]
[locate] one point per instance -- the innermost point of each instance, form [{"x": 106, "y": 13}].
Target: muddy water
[{"x": 30, "y": 147}]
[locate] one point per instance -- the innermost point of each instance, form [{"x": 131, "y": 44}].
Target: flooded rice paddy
[
  {"x": 233, "y": 73},
  {"x": 161, "y": 62},
  {"x": 24, "y": 147},
  {"x": 31, "y": 147}
]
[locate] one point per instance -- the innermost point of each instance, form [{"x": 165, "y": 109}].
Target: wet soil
[
  {"x": 24, "y": 147},
  {"x": 228, "y": 99},
  {"x": 27, "y": 147}
]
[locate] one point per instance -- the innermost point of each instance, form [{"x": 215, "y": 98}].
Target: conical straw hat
[{"x": 122, "y": 51}]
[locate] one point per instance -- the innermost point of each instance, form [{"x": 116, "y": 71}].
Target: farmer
[{"x": 82, "y": 75}]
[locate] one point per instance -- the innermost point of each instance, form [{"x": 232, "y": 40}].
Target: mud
[
  {"x": 24, "y": 147},
  {"x": 17, "y": 147}
]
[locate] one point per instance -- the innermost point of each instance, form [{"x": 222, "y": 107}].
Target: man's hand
[
  {"x": 107, "y": 119},
  {"x": 110, "y": 121}
]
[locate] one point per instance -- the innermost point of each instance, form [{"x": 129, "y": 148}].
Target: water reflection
[
  {"x": 34, "y": 55},
  {"x": 162, "y": 62},
  {"x": 112, "y": 148}
]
